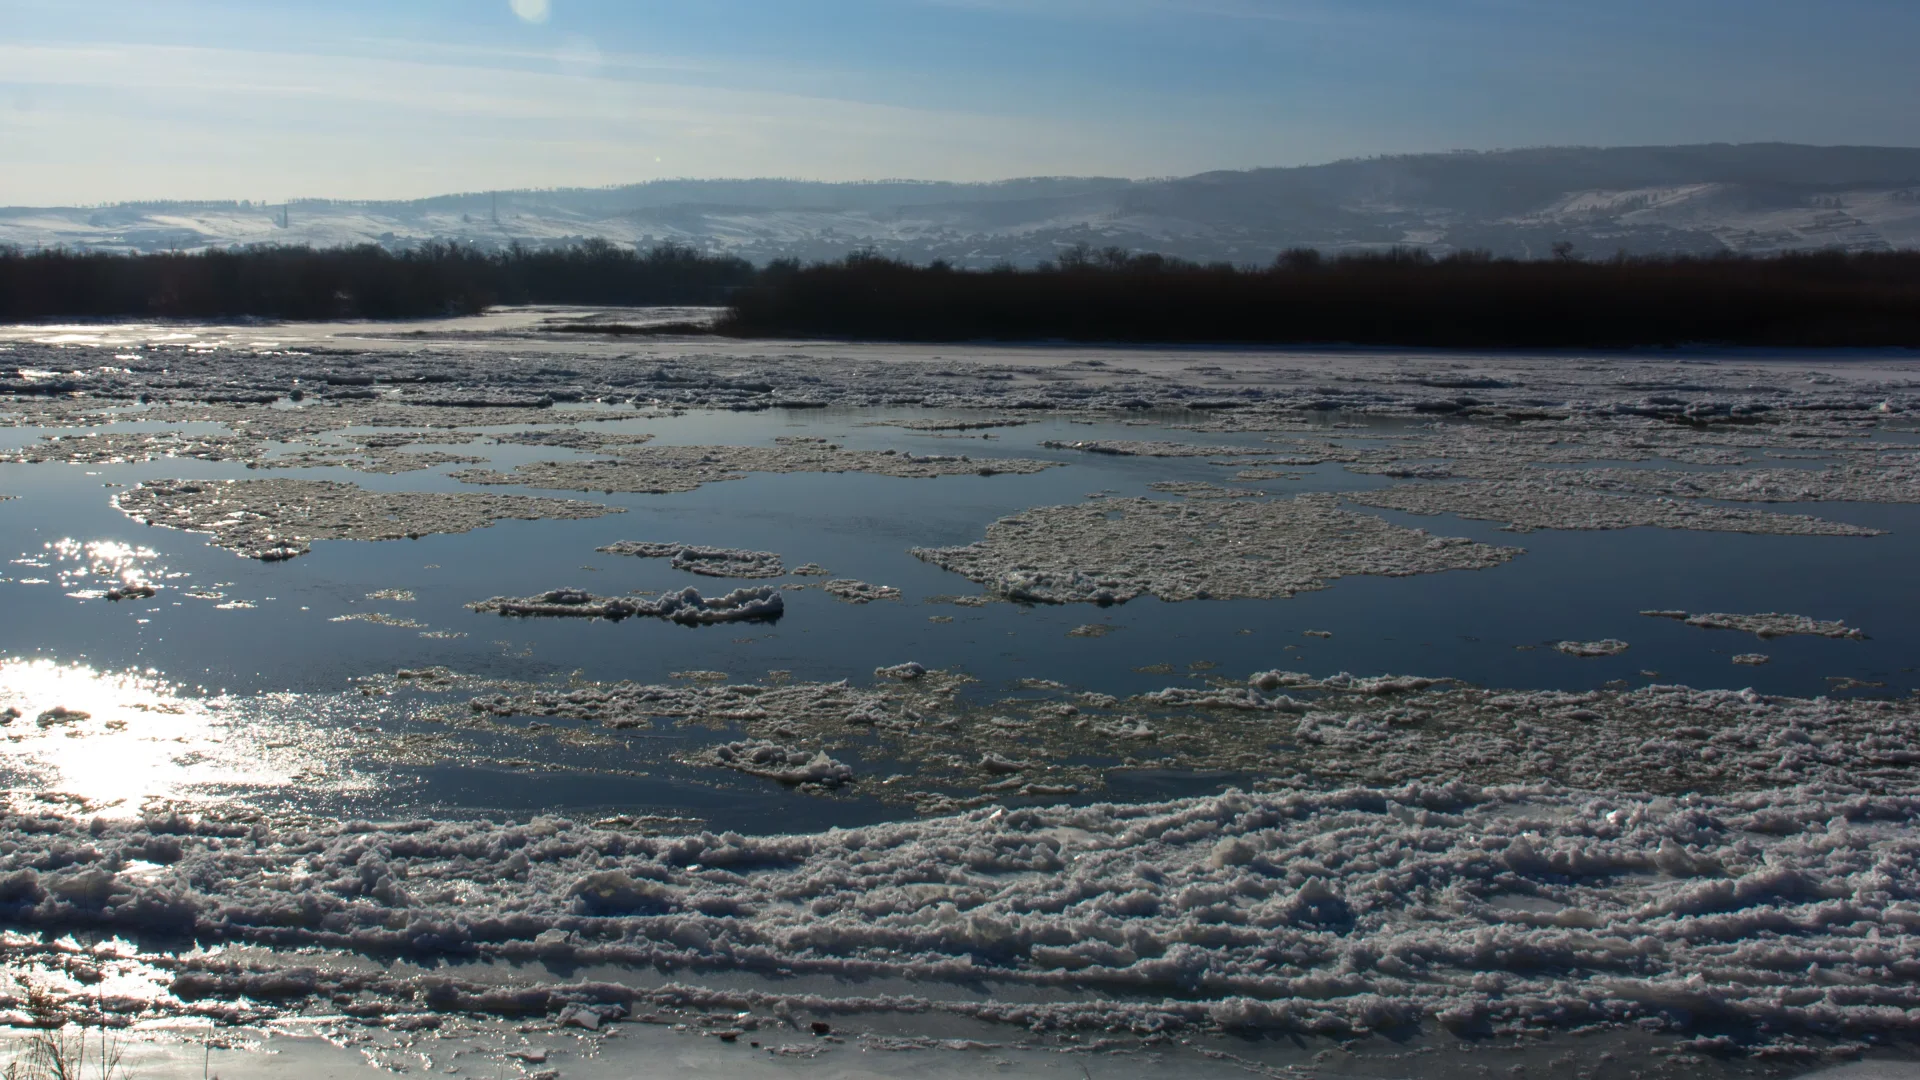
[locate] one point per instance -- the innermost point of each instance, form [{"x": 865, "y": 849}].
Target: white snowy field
[
  {"x": 1699, "y": 199},
  {"x": 1866, "y": 219}
]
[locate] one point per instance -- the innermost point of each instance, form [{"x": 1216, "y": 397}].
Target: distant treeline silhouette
[
  {"x": 366, "y": 282},
  {"x": 1400, "y": 297}
]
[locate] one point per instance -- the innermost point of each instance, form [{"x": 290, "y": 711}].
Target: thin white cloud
[
  {"x": 136, "y": 121},
  {"x": 412, "y": 85}
]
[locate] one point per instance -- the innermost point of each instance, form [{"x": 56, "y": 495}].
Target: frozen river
[{"x": 1108, "y": 710}]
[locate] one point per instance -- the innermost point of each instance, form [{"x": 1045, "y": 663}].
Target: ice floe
[
  {"x": 708, "y": 561},
  {"x": 1893, "y": 478},
  {"x": 663, "y": 470},
  {"x": 1529, "y": 504},
  {"x": 1146, "y": 448},
  {"x": 279, "y": 519},
  {"x": 788, "y": 766},
  {"x": 1606, "y": 647},
  {"x": 1120, "y": 549},
  {"x": 686, "y": 606},
  {"x": 858, "y": 592},
  {"x": 1768, "y": 625},
  {"x": 1200, "y": 489}
]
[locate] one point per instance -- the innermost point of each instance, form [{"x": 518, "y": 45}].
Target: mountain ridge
[{"x": 1698, "y": 198}]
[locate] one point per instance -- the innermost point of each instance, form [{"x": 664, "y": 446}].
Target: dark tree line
[
  {"x": 366, "y": 282},
  {"x": 1400, "y": 297}
]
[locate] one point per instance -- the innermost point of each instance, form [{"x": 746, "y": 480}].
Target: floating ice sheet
[
  {"x": 1119, "y": 549},
  {"x": 279, "y": 519},
  {"x": 1530, "y": 504},
  {"x": 662, "y": 470}
]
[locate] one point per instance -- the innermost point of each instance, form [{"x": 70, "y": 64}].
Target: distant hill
[{"x": 1719, "y": 197}]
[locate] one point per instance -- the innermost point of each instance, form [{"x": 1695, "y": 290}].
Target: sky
[{"x": 112, "y": 100}]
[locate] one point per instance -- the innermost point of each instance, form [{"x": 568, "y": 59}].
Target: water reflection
[
  {"x": 97, "y": 569},
  {"x": 115, "y": 743}
]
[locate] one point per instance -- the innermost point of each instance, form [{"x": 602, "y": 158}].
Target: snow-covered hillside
[{"x": 1756, "y": 198}]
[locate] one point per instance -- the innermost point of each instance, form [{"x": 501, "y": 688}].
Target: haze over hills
[{"x": 1755, "y": 198}]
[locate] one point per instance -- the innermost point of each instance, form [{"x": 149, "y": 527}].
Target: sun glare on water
[
  {"x": 112, "y": 743},
  {"x": 95, "y": 569}
]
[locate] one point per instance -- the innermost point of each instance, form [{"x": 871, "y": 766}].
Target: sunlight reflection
[
  {"x": 112, "y": 743},
  {"x": 96, "y": 569}
]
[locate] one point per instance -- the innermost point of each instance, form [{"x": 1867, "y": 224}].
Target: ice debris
[
  {"x": 779, "y": 763},
  {"x": 1278, "y": 728},
  {"x": 60, "y": 714},
  {"x": 935, "y": 424},
  {"x": 1887, "y": 478},
  {"x": 1396, "y": 910},
  {"x": 379, "y": 618},
  {"x": 1343, "y": 683},
  {"x": 573, "y": 438},
  {"x": 507, "y": 379}
]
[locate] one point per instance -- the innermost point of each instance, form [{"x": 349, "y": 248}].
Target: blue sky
[{"x": 105, "y": 100}]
